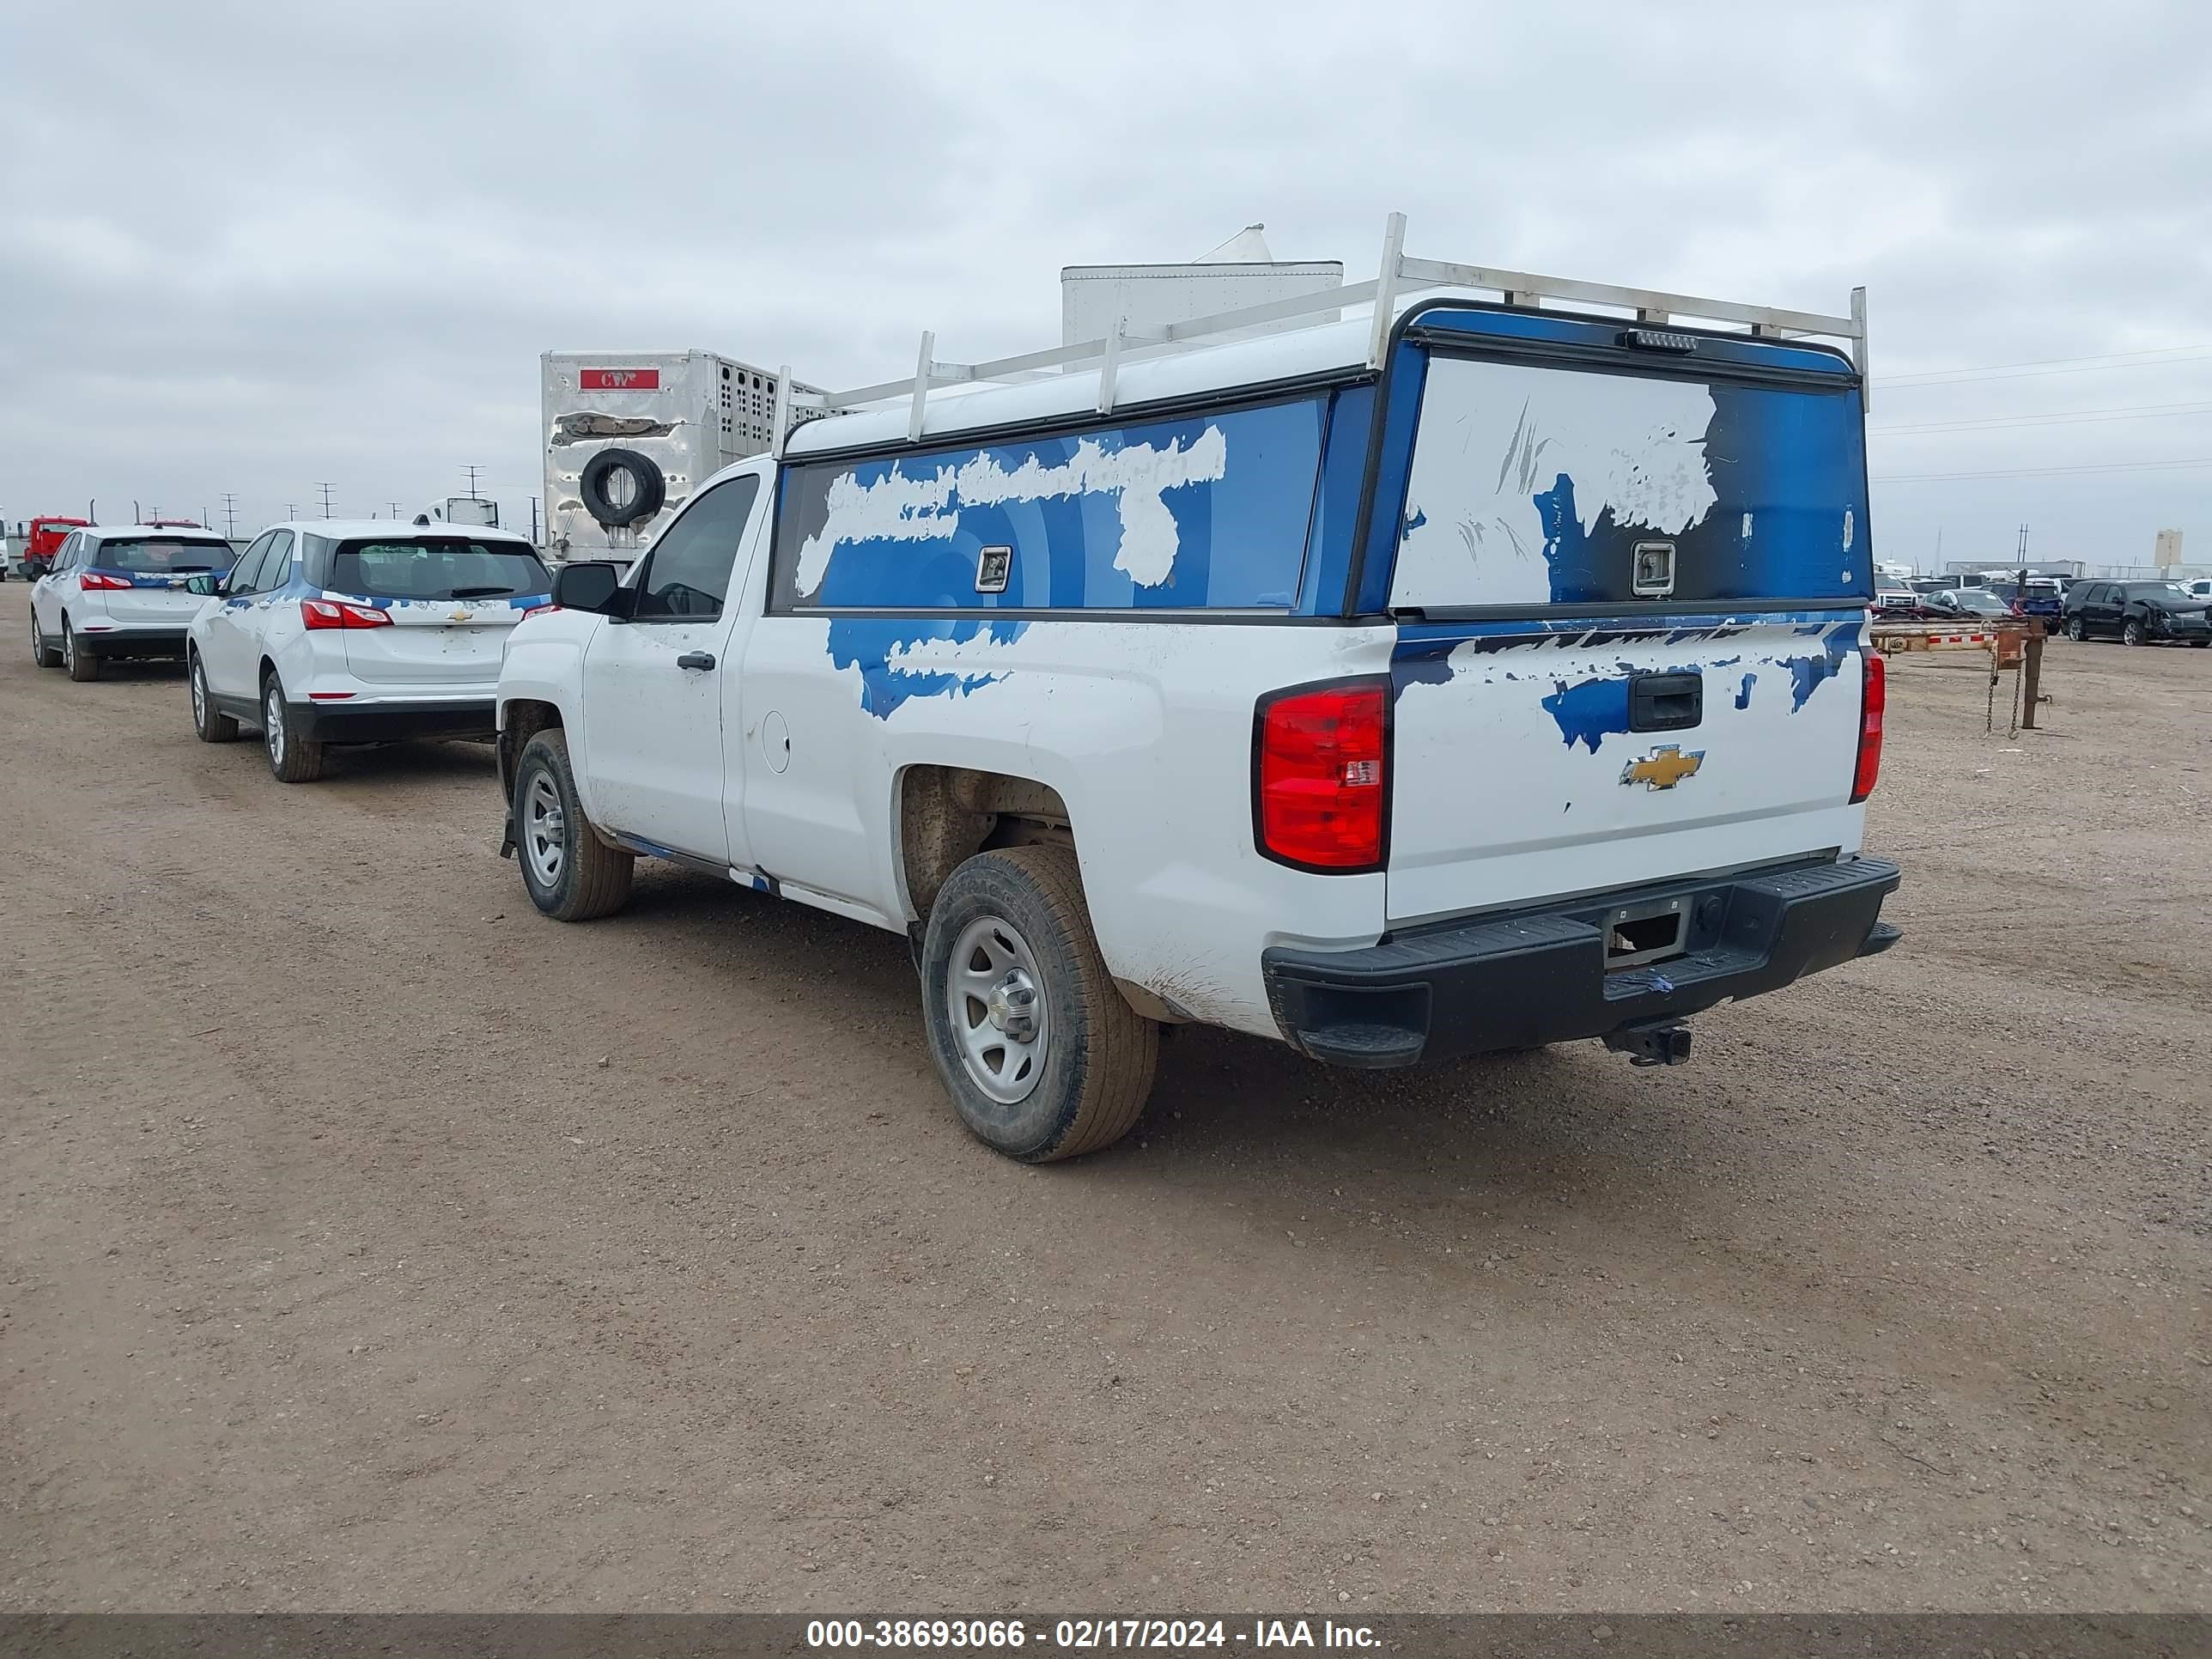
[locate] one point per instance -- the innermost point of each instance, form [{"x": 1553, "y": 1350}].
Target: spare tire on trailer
[{"x": 621, "y": 488}]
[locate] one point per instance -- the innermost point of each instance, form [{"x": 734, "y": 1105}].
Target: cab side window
[{"x": 687, "y": 574}]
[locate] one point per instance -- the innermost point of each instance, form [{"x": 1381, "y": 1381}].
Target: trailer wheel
[
  {"x": 621, "y": 488},
  {"x": 1042, "y": 1057}
]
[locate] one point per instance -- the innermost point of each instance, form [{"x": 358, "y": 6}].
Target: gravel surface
[{"x": 372, "y": 1244}]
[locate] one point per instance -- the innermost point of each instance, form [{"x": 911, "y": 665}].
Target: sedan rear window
[
  {"x": 161, "y": 556},
  {"x": 443, "y": 569}
]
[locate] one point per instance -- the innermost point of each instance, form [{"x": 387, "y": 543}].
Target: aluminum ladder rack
[{"x": 1398, "y": 274}]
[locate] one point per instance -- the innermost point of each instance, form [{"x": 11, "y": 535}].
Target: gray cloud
[{"x": 250, "y": 248}]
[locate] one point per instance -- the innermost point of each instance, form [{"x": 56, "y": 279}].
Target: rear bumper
[
  {"x": 130, "y": 640},
  {"x": 389, "y": 722},
  {"x": 1539, "y": 976}
]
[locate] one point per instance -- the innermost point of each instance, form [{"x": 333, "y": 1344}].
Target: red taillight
[
  {"x": 1872, "y": 700},
  {"x": 539, "y": 611},
  {"x": 1319, "y": 788},
  {"x": 99, "y": 581},
  {"x": 338, "y": 613}
]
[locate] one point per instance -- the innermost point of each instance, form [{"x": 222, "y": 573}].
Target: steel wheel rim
[
  {"x": 272, "y": 721},
  {"x": 994, "y": 999},
  {"x": 545, "y": 830}
]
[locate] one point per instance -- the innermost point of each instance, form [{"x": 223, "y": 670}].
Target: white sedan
[{"x": 332, "y": 632}]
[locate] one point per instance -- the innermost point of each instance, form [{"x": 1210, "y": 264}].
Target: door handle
[{"x": 695, "y": 659}]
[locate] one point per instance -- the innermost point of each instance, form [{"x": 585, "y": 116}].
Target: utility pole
[
  {"x": 395, "y": 509},
  {"x": 472, "y": 472},
  {"x": 533, "y": 520},
  {"x": 229, "y": 516},
  {"x": 290, "y": 511},
  {"x": 325, "y": 489}
]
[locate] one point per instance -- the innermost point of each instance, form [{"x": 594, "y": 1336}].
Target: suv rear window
[
  {"x": 442, "y": 569},
  {"x": 160, "y": 555}
]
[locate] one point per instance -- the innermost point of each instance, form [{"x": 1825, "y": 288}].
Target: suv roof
[
  {"x": 396, "y": 530},
  {"x": 108, "y": 532}
]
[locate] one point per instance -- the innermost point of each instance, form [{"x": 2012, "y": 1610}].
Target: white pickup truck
[{"x": 1477, "y": 676}]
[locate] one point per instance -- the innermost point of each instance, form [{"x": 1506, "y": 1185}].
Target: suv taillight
[
  {"x": 1319, "y": 776},
  {"x": 99, "y": 582},
  {"x": 337, "y": 613},
  {"x": 1873, "y": 699}
]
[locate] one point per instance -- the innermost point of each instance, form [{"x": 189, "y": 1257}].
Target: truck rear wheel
[
  {"x": 571, "y": 874},
  {"x": 1042, "y": 1057}
]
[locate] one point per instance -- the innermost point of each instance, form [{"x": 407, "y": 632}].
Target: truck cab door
[{"x": 655, "y": 682}]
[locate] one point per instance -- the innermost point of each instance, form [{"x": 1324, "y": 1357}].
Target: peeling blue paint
[
  {"x": 868, "y": 643},
  {"x": 1587, "y": 710},
  {"x": 1743, "y": 691},
  {"x": 1416, "y": 521},
  {"x": 1806, "y": 673}
]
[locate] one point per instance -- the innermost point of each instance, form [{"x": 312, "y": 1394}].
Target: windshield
[
  {"x": 1974, "y": 599},
  {"x": 161, "y": 556},
  {"x": 454, "y": 569},
  {"x": 2159, "y": 590}
]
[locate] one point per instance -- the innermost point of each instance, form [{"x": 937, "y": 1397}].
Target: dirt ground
[{"x": 370, "y": 1243}]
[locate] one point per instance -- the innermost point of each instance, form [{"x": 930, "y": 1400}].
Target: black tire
[
  {"x": 1099, "y": 1053},
  {"x": 81, "y": 666},
  {"x": 648, "y": 488},
  {"x": 2131, "y": 631},
  {"x": 210, "y": 723},
  {"x": 2075, "y": 631},
  {"x": 45, "y": 655},
  {"x": 590, "y": 877},
  {"x": 292, "y": 758}
]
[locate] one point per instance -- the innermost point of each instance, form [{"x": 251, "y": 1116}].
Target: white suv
[
  {"x": 120, "y": 591},
  {"x": 352, "y": 632}
]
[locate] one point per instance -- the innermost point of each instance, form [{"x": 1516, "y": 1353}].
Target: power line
[
  {"x": 2051, "y": 366},
  {"x": 325, "y": 489},
  {"x": 2057, "y": 417},
  {"x": 2042, "y": 472}
]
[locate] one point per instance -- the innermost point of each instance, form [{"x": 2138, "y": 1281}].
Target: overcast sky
[{"x": 257, "y": 247}]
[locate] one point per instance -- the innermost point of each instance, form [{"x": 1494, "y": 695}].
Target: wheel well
[
  {"x": 520, "y": 720},
  {"x": 948, "y": 814}
]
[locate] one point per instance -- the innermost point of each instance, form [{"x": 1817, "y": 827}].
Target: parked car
[
  {"x": 2200, "y": 588},
  {"x": 1970, "y": 603},
  {"x": 1903, "y": 604},
  {"x": 1073, "y": 686},
  {"x": 2041, "y": 598},
  {"x": 2137, "y": 613},
  {"x": 43, "y": 539},
  {"x": 334, "y": 632},
  {"x": 119, "y": 591}
]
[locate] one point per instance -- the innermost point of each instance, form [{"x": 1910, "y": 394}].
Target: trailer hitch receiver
[{"x": 1652, "y": 1045}]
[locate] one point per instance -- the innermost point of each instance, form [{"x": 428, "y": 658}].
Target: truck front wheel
[
  {"x": 1042, "y": 1057},
  {"x": 571, "y": 874}
]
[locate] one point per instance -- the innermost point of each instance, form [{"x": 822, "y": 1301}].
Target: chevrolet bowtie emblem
[
  {"x": 1664, "y": 766},
  {"x": 461, "y": 614}
]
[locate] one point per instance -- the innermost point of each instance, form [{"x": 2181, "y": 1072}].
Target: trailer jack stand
[{"x": 1652, "y": 1045}]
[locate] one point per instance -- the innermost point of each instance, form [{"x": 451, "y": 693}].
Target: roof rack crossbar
[{"x": 1398, "y": 274}]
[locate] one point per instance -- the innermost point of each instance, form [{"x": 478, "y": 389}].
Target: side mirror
[
  {"x": 208, "y": 585},
  {"x": 590, "y": 585}
]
